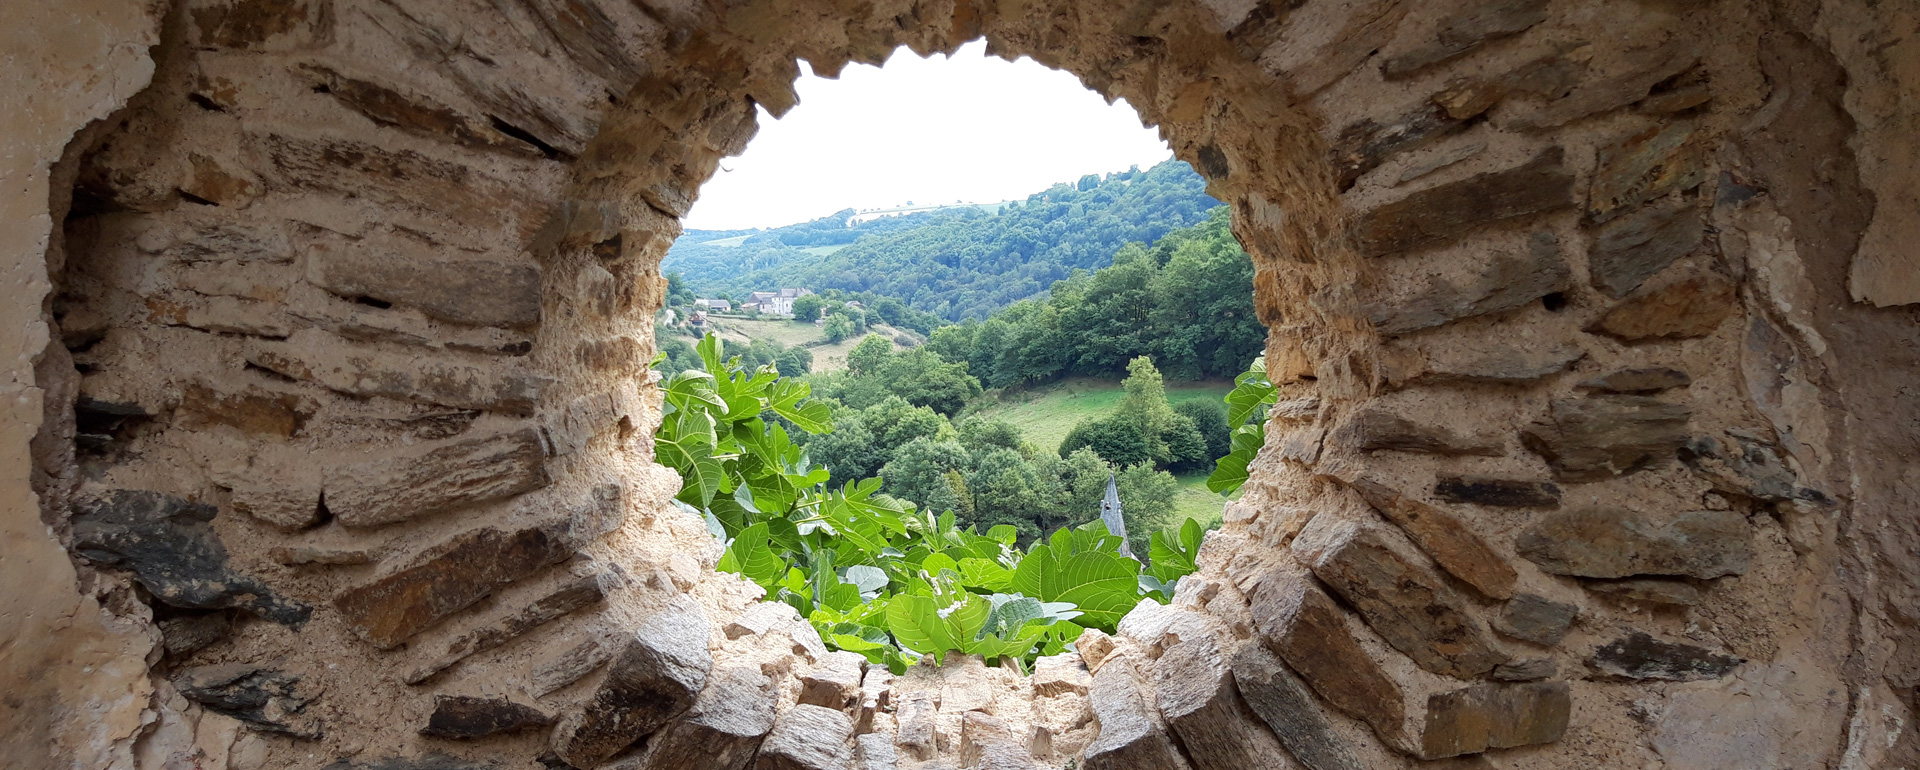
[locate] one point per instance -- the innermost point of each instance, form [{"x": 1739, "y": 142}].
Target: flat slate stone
[
  {"x": 474, "y": 292},
  {"x": 266, "y": 698},
  {"x": 1536, "y": 619},
  {"x": 1450, "y": 541},
  {"x": 1652, "y": 379},
  {"x": 722, "y": 730},
  {"x": 660, "y": 669},
  {"x": 1682, "y": 308},
  {"x": 448, "y": 477},
  {"x": 1302, "y": 625},
  {"x": 1363, "y": 146},
  {"x": 1494, "y": 364},
  {"x": 1606, "y": 435},
  {"x": 1495, "y": 716},
  {"x": 467, "y": 717},
  {"x": 1671, "y": 593},
  {"x": 1640, "y": 656},
  {"x": 333, "y": 363},
  {"x": 1526, "y": 669},
  {"x": 1513, "y": 279},
  {"x": 448, "y": 578},
  {"x": 1444, "y": 213},
  {"x": 1497, "y": 493},
  {"x": 1671, "y": 157},
  {"x": 1288, "y": 708},
  {"x": 1747, "y": 467},
  {"x": 1377, "y": 430},
  {"x": 1466, "y": 30},
  {"x": 1617, "y": 543},
  {"x": 1131, "y": 734},
  {"x": 1632, "y": 248},
  {"x": 170, "y": 547},
  {"x": 808, "y": 737},
  {"x": 1407, "y": 602},
  {"x": 564, "y": 599},
  {"x": 1194, "y": 691}
]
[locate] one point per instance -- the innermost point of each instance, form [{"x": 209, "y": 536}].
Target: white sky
[{"x": 937, "y": 130}]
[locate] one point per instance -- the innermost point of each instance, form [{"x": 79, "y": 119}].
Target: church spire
[{"x": 1110, "y": 513}]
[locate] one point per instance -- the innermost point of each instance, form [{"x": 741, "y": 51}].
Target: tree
[
  {"x": 1210, "y": 418},
  {"x": 923, "y": 378},
  {"x": 807, "y": 307},
  {"x": 1114, "y": 438},
  {"x": 1186, "y": 448},
  {"x": 868, "y": 356},
  {"x": 982, "y": 432},
  {"x": 798, "y": 361},
  {"x": 678, "y": 293},
  {"x": 849, "y": 452},
  {"x": 838, "y": 327},
  {"x": 894, "y": 423},
  {"x": 923, "y": 471},
  {"x": 1146, "y": 502}
]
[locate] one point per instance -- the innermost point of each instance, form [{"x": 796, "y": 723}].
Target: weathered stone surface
[
  {"x": 567, "y": 597},
  {"x": 1131, "y": 736},
  {"x": 569, "y": 666},
  {"x": 987, "y": 743},
  {"x": 268, "y": 699},
  {"x": 660, "y": 669},
  {"x": 1497, "y": 493},
  {"x": 1495, "y": 716},
  {"x": 1550, "y": 76},
  {"x": 1512, "y": 280},
  {"x": 876, "y": 693},
  {"x": 1363, "y": 146},
  {"x": 259, "y": 25},
  {"x": 445, "y": 478},
  {"x": 338, "y": 365},
  {"x": 467, "y": 717},
  {"x": 1641, "y": 656},
  {"x": 1094, "y": 646},
  {"x": 1450, "y": 541},
  {"x": 1440, "y": 159},
  {"x": 808, "y": 737},
  {"x": 219, "y": 183},
  {"x": 432, "y": 761},
  {"x": 414, "y": 113},
  {"x": 1603, "y": 436},
  {"x": 873, "y": 751},
  {"x": 1526, "y": 669},
  {"x": 170, "y": 547},
  {"x": 1616, "y": 543},
  {"x": 1692, "y": 306},
  {"x": 964, "y": 685},
  {"x": 448, "y": 578},
  {"x": 1648, "y": 165},
  {"x": 1490, "y": 363},
  {"x": 1642, "y": 380},
  {"x": 1466, "y": 30},
  {"x": 1302, "y": 625},
  {"x": 253, "y": 410},
  {"x": 1401, "y": 597},
  {"x": 304, "y": 555},
  {"x": 1441, "y": 214},
  {"x": 1378, "y": 430},
  {"x": 1059, "y": 675},
  {"x": 913, "y": 717},
  {"x": 1591, "y": 92},
  {"x": 835, "y": 682},
  {"x": 1671, "y": 593},
  {"x": 722, "y": 730},
  {"x": 464, "y": 291},
  {"x": 467, "y": 194},
  {"x": 1194, "y": 690},
  {"x": 278, "y": 486},
  {"x": 222, "y": 315},
  {"x": 759, "y": 619},
  {"x": 1536, "y": 619},
  {"x": 187, "y": 634},
  {"x": 1633, "y": 247},
  {"x": 1748, "y": 467},
  {"x": 1285, "y": 704}
]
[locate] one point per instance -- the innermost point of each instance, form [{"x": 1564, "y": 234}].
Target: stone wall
[{"x": 1595, "y": 441}]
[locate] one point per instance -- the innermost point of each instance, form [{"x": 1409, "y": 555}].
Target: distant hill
[{"x": 957, "y": 263}]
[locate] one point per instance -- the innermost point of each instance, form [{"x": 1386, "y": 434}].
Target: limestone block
[
  {"x": 1378, "y": 430},
  {"x": 1194, "y": 691},
  {"x": 1536, "y": 619},
  {"x": 1632, "y": 248},
  {"x": 397, "y": 107},
  {"x": 1444, "y": 213},
  {"x": 444, "y": 478},
  {"x": 338, "y": 365},
  {"x": 656, "y": 676},
  {"x": 1288, "y": 708},
  {"x": 475, "y": 292},
  {"x": 1450, "y": 541},
  {"x": 172, "y": 550},
  {"x": 1467, "y": 29},
  {"x": 914, "y": 713},
  {"x": 1497, "y": 493},
  {"x": 808, "y": 737},
  {"x": 722, "y": 730},
  {"x": 759, "y": 619},
  {"x": 1641, "y": 656},
  {"x": 1131, "y": 734},
  {"x": 1486, "y": 361},
  {"x": 1302, "y": 625},
  {"x": 1401, "y": 597},
  {"x": 1060, "y": 674},
  {"x": 964, "y": 685},
  {"x": 1603, "y": 436},
  {"x": 1615, "y": 543},
  {"x": 277, "y": 485},
  {"x": 569, "y": 596},
  {"x": 987, "y": 743},
  {"x": 1094, "y": 646},
  {"x": 468, "y": 717},
  {"x": 1495, "y": 716},
  {"x": 1680, "y": 308},
  {"x": 448, "y": 578},
  {"x": 874, "y": 752},
  {"x": 876, "y": 693},
  {"x": 835, "y": 682}
]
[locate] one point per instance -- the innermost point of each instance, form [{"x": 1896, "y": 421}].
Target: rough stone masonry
[{"x": 326, "y": 426}]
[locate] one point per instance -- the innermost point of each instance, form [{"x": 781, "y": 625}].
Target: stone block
[
  {"x": 1497, "y": 493},
  {"x": 1059, "y": 675},
  {"x": 1495, "y": 716},
  {"x": 1304, "y": 626},
  {"x": 305, "y": 555},
  {"x": 1617, "y": 543},
  {"x": 1400, "y": 596},
  {"x": 808, "y": 737},
  {"x": 442, "y": 479},
  {"x": 1363, "y": 146},
  {"x": 338, "y": 365},
  {"x": 466, "y": 717},
  {"x": 1586, "y": 91},
  {"x": 1194, "y": 690},
  {"x": 873, "y": 751},
  {"x": 722, "y": 730},
  {"x": 1644, "y": 380},
  {"x": 1094, "y": 646},
  {"x": 1288, "y": 708},
  {"x": 170, "y": 547},
  {"x": 568, "y": 666},
  {"x": 1681, "y": 308},
  {"x": 1451, "y": 542},
  {"x": 259, "y": 25},
  {"x": 659, "y": 671},
  {"x": 1604, "y": 436},
  {"x": 914, "y": 714},
  {"x": 1467, "y": 29},
  {"x": 1378, "y": 430},
  {"x": 266, "y": 698},
  {"x": 569, "y": 596},
  {"x": 1641, "y": 656},
  {"x": 964, "y": 685},
  {"x": 1526, "y": 669},
  {"x": 1513, "y": 279},
  {"x": 278, "y": 485},
  {"x": 1131, "y": 734},
  {"x": 1536, "y": 619},
  {"x": 393, "y": 107},
  {"x": 1633, "y": 247},
  {"x": 474, "y": 292},
  {"x": 187, "y": 634},
  {"x": 1668, "y": 158},
  {"x": 1670, "y": 593},
  {"x": 1490, "y": 363},
  {"x": 1442, "y": 214},
  {"x": 987, "y": 743},
  {"x": 251, "y": 410},
  {"x": 1746, "y": 466},
  {"x": 448, "y": 578},
  {"x": 835, "y": 682}
]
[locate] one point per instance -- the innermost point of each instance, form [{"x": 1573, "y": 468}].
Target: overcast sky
[{"x": 937, "y": 130}]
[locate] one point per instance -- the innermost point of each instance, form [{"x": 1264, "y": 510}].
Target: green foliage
[
  {"x": 794, "y": 362},
  {"x": 807, "y": 307},
  {"x": 980, "y": 433},
  {"x": 868, "y": 356},
  {"x": 1247, "y": 410},
  {"x": 1115, "y": 439},
  {"x": 1210, "y": 419},
  {"x": 869, "y": 571},
  {"x": 1147, "y": 502},
  {"x": 679, "y": 294},
  {"x": 838, "y": 327}
]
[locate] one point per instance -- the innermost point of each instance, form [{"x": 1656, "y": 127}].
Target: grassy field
[
  {"x": 821, "y": 251},
  {"x": 1195, "y": 501},
  {"x": 1046, "y": 414},
  {"x": 826, "y": 357}
]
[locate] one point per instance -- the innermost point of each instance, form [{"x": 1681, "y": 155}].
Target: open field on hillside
[
  {"x": 1194, "y": 501},
  {"x": 1047, "y": 413},
  {"x": 826, "y": 357}
]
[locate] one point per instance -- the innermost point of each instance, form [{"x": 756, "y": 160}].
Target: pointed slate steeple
[{"x": 1110, "y": 513}]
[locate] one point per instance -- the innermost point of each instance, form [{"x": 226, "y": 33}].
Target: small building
[
  {"x": 718, "y": 305},
  {"x": 777, "y": 302},
  {"x": 698, "y": 320}
]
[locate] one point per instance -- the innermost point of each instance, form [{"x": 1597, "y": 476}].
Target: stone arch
[{"x": 359, "y": 297}]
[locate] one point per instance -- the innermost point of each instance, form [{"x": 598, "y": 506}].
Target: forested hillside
[{"x": 959, "y": 263}]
